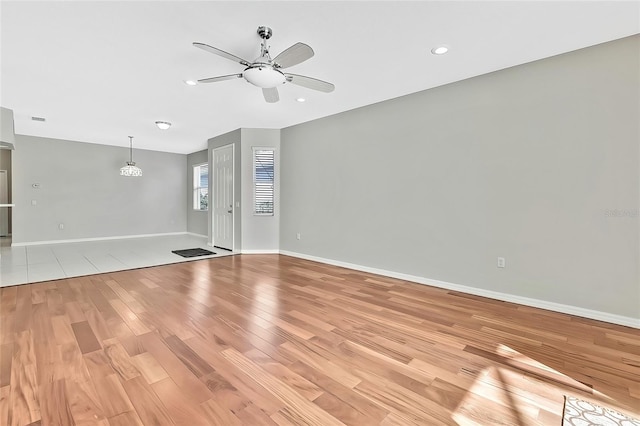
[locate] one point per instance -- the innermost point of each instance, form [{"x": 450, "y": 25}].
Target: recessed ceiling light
[
  {"x": 300, "y": 99},
  {"x": 440, "y": 50},
  {"x": 163, "y": 125},
  {"x": 190, "y": 82}
]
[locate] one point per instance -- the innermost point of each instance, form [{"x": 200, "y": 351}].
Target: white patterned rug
[{"x": 582, "y": 413}]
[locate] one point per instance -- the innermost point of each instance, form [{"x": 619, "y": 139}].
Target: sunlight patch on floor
[{"x": 512, "y": 394}]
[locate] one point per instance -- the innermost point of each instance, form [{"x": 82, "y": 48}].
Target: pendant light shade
[{"x": 130, "y": 169}]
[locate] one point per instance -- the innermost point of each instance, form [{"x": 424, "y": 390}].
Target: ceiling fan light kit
[
  {"x": 265, "y": 73},
  {"x": 264, "y": 77}
]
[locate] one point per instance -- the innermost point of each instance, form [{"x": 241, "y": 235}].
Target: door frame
[
  {"x": 4, "y": 176},
  {"x": 233, "y": 193}
]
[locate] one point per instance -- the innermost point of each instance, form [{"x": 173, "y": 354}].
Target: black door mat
[{"x": 195, "y": 252}]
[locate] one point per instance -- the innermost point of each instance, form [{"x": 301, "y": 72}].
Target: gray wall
[
  {"x": 197, "y": 220},
  {"x": 527, "y": 163},
  {"x": 232, "y": 138},
  {"x": 259, "y": 233},
  {"x": 81, "y": 188},
  {"x": 251, "y": 233}
]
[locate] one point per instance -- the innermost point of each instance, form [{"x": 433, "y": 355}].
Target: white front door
[{"x": 223, "y": 197}]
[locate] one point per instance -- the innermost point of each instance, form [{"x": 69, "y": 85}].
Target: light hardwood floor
[{"x": 268, "y": 339}]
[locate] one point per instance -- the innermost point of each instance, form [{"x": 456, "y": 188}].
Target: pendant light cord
[{"x": 131, "y": 149}]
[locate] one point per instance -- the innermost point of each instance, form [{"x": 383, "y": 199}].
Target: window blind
[{"x": 263, "y": 178}]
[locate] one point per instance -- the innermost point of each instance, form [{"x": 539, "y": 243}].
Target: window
[
  {"x": 263, "y": 180},
  {"x": 201, "y": 187}
]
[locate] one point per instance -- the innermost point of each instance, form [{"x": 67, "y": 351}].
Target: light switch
[{"x": 34, "y": 202}]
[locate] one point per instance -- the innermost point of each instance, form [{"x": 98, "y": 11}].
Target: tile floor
[{"x": 19, "y": 265}]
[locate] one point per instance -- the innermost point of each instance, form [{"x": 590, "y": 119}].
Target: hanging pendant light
[{"x": 130, "y": 169}]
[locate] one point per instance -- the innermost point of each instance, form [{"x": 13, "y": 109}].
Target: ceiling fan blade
[
  {"x": 294, "y": 55},
  {"x": 222, "y": 53},
  {"x": 221, "y": 78},
  {"x": 271, "y": 95},
  {"x": 310, "y": 83}
]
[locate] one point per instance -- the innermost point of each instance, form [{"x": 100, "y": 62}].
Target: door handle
[{"x": 229, "y": 211}]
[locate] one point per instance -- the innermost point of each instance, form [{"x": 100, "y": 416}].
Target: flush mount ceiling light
[
  {"x": 163, "y": 125},
  {"x": 440, "y": 50},
  {"x": 190, "y": 82},
  {"x": 130, "y": 169},
  {"x": 300, "y": 99}
]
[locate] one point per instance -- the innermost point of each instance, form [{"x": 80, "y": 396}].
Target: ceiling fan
[{"x": 265, "y": 73}]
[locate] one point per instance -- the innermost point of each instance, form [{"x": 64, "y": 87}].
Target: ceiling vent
[{"x": 38, "y": 119}]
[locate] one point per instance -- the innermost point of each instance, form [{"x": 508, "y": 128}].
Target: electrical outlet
[
  {"x": 298, "y": 236},
  {"x": 61, "y": 226},
  {"x": 502, "y": 262}
]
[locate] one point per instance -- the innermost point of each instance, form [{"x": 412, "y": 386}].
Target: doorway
[
  {"x": 223, "y": 197},
  {"x": 5, "y": 230}
]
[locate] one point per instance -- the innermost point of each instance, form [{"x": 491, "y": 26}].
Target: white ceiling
[{"x": 100, "y": 71}]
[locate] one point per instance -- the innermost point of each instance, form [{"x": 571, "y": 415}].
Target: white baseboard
[
  {"x": 193, "y": 234},
  {"x": 270, "y": 251},
  {"x": 505, "y": 297},
  {"x": 83, "y": 240}
]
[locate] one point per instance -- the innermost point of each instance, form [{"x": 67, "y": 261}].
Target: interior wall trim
[
  {"x": 82, "y": 240},
  {"x": 505, "y": 297},
  {"x": 193, "y": 234}
]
